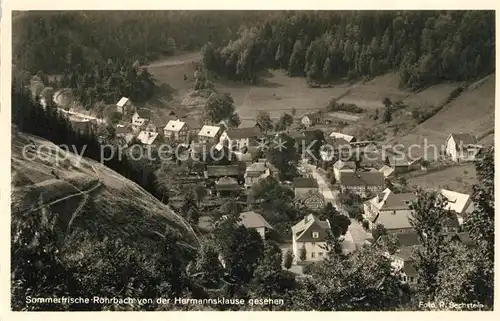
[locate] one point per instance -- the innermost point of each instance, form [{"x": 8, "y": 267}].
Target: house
[
  {"x": 140, "y": 119},
  {"x": 462, "y": 147},
  {"x": 217, "y": 171},
  {"x": 313, "y": 200},
  {"x": 209, "y": 134},
  {"x": 176, "y": 130},
  {"x": 390, "y": 210},
  {"x": 255, "y": 172},
  {"x": 124, "y": 106},
  {"x": 335, "y": 148},
  {"x": 252, "y": 220},
  {"x": 304, "y": 185},
  {"x": 341, "y": 166},
  {"x": 227, "y": 186},
  {"x": 309, "y": 238},
  {"x": 402, "y": 260},
  {"x": 310, "y": 119},
  {"x": 362, "y": 183},
  {"x": 347, "y": 138},
  {"x": 238, "y": 138},
  {"x": 402, "y": 163},
  {"x": 147, "y": 138},
  {"x": 387, "y": 171},
  {"x": 122, "y": 130},
  {"x": 458, "y": 203}
]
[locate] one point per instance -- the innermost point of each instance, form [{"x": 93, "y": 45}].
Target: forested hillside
[
  {"x": 50, "y": 41},
  {"x": 424, "y": 47}
]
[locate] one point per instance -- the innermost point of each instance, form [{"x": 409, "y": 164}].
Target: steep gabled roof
[
  {"x": 209, "y": 131},
  {"x": 303, "y": 229},
  {"x": 122, "y": 102},
  {"x": 345, "y": 137},
  {"x": 175, "y": 125},
  {"x": 253, "y": 220},
  {"x": 456, "y": 202},
  {"x": 464, "y": 139},
  {"x": 144, "y": 113},
  {"x": 147, "y": 138}
]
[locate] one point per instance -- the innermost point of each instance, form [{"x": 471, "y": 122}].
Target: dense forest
[
  {"x": 49, "y": 41},
  {"x": 424, "y": 47}
]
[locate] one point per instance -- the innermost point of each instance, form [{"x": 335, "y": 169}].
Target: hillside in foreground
[{"x": 88, "y": 197}]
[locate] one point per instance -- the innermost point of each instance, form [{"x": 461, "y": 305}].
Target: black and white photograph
[{"x": 252, "y": 160}]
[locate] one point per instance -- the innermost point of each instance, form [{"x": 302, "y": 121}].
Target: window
[
  {"x": 313, "y": 255},
  {"x": 315, "y": 235},
  {"x": 313, "y": 244},
  {"x": 320, "y": 253},
  {"x": 412, "y": 279}
]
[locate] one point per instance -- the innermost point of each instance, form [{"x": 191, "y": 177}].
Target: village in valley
[
  {"x": 374, "y": 195},
  {"x": 326, "y": 160}
]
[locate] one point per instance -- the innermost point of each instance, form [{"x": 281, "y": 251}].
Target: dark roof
[
  {"x": 408, "y": 239},
  {"x": 305, "y": 182},
  {"x": 398, "y": 201},
  {"x": 409, "y": 269},
  {"x": 239, "y": 133},
  {"x": 462, "y": 237},
  {"x": 144, "y": 113},
  {"x": 294, "y": 134},
  {"x": 223, "y": 170},
  {"x": 362, "y": 179},
  {"x": 304, "y": 229},
  {"x": 464, "y": 139}
]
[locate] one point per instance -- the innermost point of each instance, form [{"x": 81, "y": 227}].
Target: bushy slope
[{"x": 91, "y": 196}]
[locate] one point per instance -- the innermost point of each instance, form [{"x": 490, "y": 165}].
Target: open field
[
  {"x": 369, "y": 95},
  {"x": 278, "y": 93},
  {"x": 471, "y": 112},
  {"x": 457, "y": 178}
]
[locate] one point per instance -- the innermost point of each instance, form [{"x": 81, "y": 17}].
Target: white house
[
  {"x": 255, "y": 172},
  {"x": 460, "y": 204},
  {"x": 462, "y": 147},
  {"x": 238, "y": 138},
  {"x": 310, "y": 119},
  {"x": 147, "y": 138},
  {"x": 177, "y": 130},
  {"x": 252, "y": 220},
  {"x": 347, "y": 138},
  {"x": 387, "y": 171},
  {"x": 309, "y": 238},
  {"x": 140, "y": 119},
  {"x": 124, "y": 105},
  {"x": 209, "y": 134},
  {"x": 341, "y": 166}
]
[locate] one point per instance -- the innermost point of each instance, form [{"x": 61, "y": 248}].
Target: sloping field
[
  {"x": 472, "y": 112},
  {"x": 431, "y": 97},
  {"x": 369, "y": 95},
  {"x": 108, "y": 204},
  {"x": 457, "y": 178}
]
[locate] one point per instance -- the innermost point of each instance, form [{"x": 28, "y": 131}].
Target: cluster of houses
[{"x": 382, "y": 206}]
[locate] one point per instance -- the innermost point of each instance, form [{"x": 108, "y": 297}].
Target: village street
[{"x": 356, "y": 235}]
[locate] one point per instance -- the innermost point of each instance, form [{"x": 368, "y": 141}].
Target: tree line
[{"x": 423, "y": 47}]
